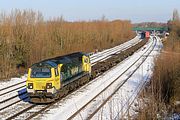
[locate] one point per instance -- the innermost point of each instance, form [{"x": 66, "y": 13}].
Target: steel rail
[{"x": 77, "y": 112}]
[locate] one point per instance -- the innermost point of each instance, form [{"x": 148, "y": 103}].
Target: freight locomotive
[{"x": 52, "y": 78}]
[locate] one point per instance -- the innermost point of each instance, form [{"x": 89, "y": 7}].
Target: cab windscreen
[{"x": 40, "y": 72}]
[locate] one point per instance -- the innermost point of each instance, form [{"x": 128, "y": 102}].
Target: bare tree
[
  {"x": 175, "y": 15},
  {"x": 26, "y": 38}
]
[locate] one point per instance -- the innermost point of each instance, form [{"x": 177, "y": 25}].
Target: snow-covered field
[{"x": 23, "y": 103}]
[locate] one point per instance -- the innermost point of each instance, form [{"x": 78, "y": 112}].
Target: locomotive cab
[{"x": 43, "y": 81}]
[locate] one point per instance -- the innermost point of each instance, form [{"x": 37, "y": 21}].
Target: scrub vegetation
[
  {"x": 164, "y": 88},
  {"x": 25, "y": 38}
]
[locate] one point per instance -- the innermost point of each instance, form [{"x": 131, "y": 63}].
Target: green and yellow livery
[{"x": 50, "y": 79}]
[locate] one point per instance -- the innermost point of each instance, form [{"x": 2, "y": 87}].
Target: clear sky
[{"x": 74, "y": 10}]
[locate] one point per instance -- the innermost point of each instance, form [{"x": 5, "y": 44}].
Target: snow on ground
[
  {"x": 150, "y": 61},
  {"x": 12, "y": 81},
  {"x": 24, "y": 103},
  {"x": 20, "y": 88},
  {"x": 68, "y": 105},
  {"x": 13, "y": 109},
  {"x": 104, "y": 54},
  {"x": 118, "y": 107}
]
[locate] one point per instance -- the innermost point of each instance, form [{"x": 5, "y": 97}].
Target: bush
[{"x": 164, "y": 89}]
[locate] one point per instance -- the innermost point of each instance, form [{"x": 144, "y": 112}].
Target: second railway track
[{"x": 107, "y": 89}]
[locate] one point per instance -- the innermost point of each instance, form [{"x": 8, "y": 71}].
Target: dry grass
[
  {"x": 164, "y": 88},
  {"x": 25, "y": 38}
]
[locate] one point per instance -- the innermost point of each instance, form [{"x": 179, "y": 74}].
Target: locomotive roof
[
  {"x": 45, "y": 64},
  {"x": 53, "y": 62}
]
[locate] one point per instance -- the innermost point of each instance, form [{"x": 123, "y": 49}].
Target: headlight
[
  {"x": 30, "y": 85},
  {"x": 49, "y": 85}
]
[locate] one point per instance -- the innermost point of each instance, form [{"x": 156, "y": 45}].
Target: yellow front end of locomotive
[{"x": 47, "y": 84}]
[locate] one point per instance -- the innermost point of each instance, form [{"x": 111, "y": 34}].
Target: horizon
[{"x": 135, "y": 11}]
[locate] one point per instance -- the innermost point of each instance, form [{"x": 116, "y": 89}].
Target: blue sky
[{"x": 74, "y": 10}]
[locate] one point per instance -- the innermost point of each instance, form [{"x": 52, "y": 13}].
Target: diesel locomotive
[{"x": 52, "y": 78}]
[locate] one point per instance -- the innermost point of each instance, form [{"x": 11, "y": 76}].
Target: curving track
[
  {"x": 69, "y": 103},
  {"x": 12, "y": 89},
  {"x": 108, "y": 92},
  {"x": 86, "y": 105}
]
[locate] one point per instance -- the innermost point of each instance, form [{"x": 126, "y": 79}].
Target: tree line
[{"x": 26, "y": 37}]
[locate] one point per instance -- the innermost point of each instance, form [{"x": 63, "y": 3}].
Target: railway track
[
  {"x": 114, "y": 49},
  {"x": 30, "y": 107},
  {"x": 100, "y": 57},
  {"x": 106, "y": 54},
  {"x": 18, "y": 86},
  {"x": 131, "y": 99},
  {"x": 107, "y": 98},
  {"x": 130, "y": 102},
  {"x": 33, "y": 114},
  {"x": 115, "y": 91},
  {"x": 11, "y": 86}
]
